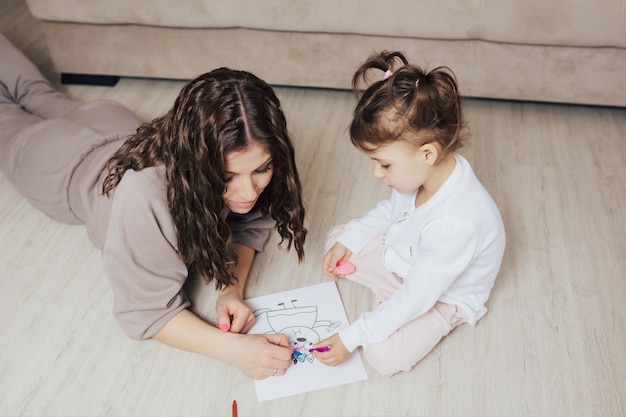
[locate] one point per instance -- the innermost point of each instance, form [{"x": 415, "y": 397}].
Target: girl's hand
[
  {"x": 233, "y": 314},
  {"x": 336, "y": 253},
  {"x": 337, "y": 353},
  {"x": 261, "y": 356}
]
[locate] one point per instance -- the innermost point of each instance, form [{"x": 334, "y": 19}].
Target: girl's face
[
  {"x": 248, "y": 172},
  {"x": 400, "y": 166}
]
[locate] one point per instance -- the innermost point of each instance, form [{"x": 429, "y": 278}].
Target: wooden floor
[{"x": 553, "y": 343}]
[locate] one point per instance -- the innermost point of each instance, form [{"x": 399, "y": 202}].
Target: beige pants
[
  {"x": 45, "y": 135},
  {"x": 412, "y": 342}
]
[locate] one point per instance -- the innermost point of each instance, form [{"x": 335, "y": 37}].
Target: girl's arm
[
  {"x": 360, "y": 231},
  {"x": 443, "y": 251}
]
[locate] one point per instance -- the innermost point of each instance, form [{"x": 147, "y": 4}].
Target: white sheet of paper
[{"x": 306, "y": 315}]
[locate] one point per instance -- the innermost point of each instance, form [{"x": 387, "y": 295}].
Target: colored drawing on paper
[
  {"x": 306, "y": 316},
  {"x": 301, "y": 325}
]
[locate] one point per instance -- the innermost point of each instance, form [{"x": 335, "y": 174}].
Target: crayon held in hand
[
  {"x": 344, "y": 268},
  {"x": 320, "y": 349}
]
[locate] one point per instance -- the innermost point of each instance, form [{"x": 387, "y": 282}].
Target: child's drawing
[
  {"x": 299, "y": 324},
  {"x": 306, "y": 316}
]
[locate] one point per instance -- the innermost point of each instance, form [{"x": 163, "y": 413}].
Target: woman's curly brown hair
[{"x": 219, "y": 112}]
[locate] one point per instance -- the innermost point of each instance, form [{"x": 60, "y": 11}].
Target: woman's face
[{"x": 248, "y": 172}]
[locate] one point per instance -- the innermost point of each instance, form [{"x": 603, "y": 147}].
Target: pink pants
[{"x": 412, "y": 342}]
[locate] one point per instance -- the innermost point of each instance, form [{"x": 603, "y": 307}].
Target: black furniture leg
[{"x": 89, "y": 79}]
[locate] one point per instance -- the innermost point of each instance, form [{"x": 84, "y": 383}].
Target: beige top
[{"x": 135, "y": 231}]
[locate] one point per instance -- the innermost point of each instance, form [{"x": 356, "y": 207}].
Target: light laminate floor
[{"x": 553, "y": 343}]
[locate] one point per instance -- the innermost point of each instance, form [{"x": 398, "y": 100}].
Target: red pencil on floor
[{"x": 234, "y": 408}]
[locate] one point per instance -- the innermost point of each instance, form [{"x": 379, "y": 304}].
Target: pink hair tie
[{"x": 388, "y": 74}]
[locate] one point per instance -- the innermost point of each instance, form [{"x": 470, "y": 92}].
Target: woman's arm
[
  {"x": 233, "y": 314},
  {"x": 257, "y": 356},
  {"x": 151, "y": 304}
]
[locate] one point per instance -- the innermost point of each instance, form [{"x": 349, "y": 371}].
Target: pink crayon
[
  {"x": 320, "y": 349},
  {"x": 344, "y": 268}
]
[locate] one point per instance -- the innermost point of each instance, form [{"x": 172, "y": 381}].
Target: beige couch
[{"x": 568, "y": 51}]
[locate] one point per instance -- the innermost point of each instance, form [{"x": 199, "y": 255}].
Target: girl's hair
[
  {"x": 219, "y": 112},
  {"x": 409, "y": 103}
]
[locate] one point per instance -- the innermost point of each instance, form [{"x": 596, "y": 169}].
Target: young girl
[
  {"x": 198, "y": 188},
  {"x": 431, "y": 252}
]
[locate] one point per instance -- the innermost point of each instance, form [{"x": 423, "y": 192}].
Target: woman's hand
[
  {"x": 336, "y": 253},
  {"x": 233, "y": 314},
  {"x": 258, "y": 356},
  {"x": 261, "y": 356},
  {"x": 337, "y": 354}
]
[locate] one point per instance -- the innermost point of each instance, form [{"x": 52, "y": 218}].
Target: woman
[{"x": 198, "y": 189}]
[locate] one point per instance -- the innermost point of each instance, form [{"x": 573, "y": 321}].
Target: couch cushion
[{"x": 557, "y": 22}]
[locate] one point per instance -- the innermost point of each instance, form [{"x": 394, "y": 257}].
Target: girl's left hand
[
  {"x": 337, "y": 353},
  {"x": 233, "y": 314},
  {"x": 336, "y": 253}
]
